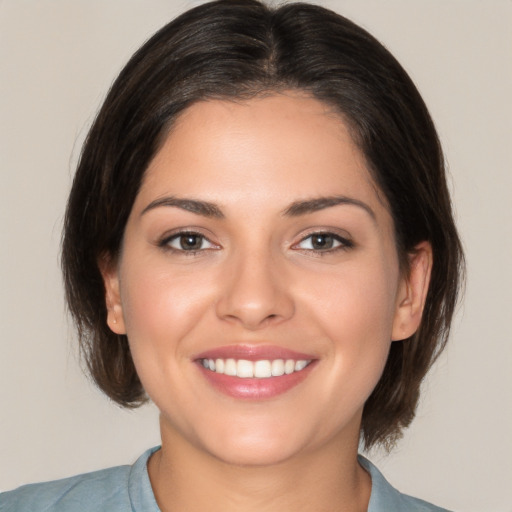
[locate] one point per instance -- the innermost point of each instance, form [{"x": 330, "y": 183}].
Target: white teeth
[
  {"x": 230, "y": 367},
  {"x": 244, "y": 369},
  {"x": 261, "y": 369},
  {"x": 289, "y": 366},
  {"x": 300, "y": 365},
  {"x": 277, "y": 368},
  {"x": 219, "y": 365}
]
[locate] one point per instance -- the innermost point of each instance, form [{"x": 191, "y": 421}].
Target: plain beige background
[{"x": 57, "y": 59}]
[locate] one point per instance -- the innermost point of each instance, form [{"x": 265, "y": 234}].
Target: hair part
[{"x": 239, "y": 49}]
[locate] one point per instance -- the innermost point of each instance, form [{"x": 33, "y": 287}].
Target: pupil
[
  {"x": 190, "y": 242},
  {"x": 322, "y": 241}
]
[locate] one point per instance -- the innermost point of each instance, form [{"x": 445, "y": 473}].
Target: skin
[{"x": 255, "y": 279}]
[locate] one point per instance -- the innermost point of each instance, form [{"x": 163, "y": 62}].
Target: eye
[
  {"x": 324, "y": 241},
  {"x": 187, "y": 241}
]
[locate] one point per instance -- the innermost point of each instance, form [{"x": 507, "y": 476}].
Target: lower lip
[{"x": 255, "y": 389}]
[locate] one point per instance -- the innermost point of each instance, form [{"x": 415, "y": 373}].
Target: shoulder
[
  {"x": 110, "y": 489},
  {"x": 385, "y": 497},
  {"x": 107, "y": 488}
]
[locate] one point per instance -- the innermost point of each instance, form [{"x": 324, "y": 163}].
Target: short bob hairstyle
[{"x": 239, "y": 49}]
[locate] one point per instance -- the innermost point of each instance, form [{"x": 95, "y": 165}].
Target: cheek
[
  {"x": 161, "y": 310},
  {"x": 357, "y": 298},
  {"x": 354, "y": 310},
  {"x": 161, "y": 307}
]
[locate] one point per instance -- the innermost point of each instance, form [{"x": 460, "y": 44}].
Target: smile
[
  {"x": 260, "y": 369},
  {"x": 254, "y": 372}
]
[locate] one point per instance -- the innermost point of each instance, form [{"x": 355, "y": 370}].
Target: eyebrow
[
  {"x": 203, "y": 208},
  {"x": 298, "y": 208}
]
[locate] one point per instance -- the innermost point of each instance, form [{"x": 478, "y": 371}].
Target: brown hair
[{"x": 239, "y": 49}]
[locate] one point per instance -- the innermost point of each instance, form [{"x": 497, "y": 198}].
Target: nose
[{"x": 255, "y": 294}]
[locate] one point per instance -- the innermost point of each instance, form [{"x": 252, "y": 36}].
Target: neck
[{"x": 327, "y": 479}]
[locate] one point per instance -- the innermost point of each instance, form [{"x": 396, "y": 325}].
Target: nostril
[{"x": 271, "y": 319}]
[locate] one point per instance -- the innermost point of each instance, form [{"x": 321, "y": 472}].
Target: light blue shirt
[{"x": 128, "y": 489}]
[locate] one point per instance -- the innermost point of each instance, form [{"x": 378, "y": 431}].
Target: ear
[
  {"x": 110, "y": 274},
  {"x": 413, "y": 293}
]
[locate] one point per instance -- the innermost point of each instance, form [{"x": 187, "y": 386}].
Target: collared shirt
[{"x": 128, "y": 489}]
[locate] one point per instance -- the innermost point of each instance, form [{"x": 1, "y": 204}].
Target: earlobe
[
  {"x": 413, "y": 293},
  {"x": 110, "y": 275}
]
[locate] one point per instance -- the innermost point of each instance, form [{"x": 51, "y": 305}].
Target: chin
[
  {"x": 257, "y": 455},
  {"x": 256, "y": 446}
]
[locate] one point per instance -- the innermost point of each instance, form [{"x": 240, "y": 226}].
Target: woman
[{"x": 259, "y": 238}]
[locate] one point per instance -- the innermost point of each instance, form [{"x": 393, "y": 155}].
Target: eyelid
[
  {"x": 164, "y": 241},
  {"x": 343, "y": 241}
]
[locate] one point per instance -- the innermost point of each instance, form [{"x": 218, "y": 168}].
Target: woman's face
[{"x": 258, "y": 246}]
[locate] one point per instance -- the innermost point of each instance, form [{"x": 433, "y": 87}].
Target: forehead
[{"x": 277, "y": 148}]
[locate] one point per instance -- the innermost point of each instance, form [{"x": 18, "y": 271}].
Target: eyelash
[
  {"x": 165, "y": 243},
  {"x": 344, "y": 244}
]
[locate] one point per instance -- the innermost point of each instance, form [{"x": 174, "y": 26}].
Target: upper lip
[{"x": 253, "y": 353}]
